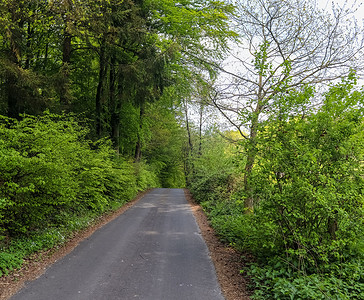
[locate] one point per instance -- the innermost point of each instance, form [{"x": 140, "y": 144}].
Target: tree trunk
[
  {"x": 45, "y": 64},
  {"x": 252, "y": 151},
  {"x": 249, "y": 201},
  {"x": 65, "y": 93},
  {"x": 189, "y": 150},
  {"x": 200, "y": 131},
  {"x": 66, "y": 59},
  {"x": 66, "y": 54},
  {"x": 114, "y": 108},
  {"x": 188, "y": 130},
  {"x": 12, "y": 96},
  {"x": 28, "y": 45},
  {"x": 138, "y": 148},
  {"x": 11, "y": 82},
  {"x": 100, "y": 89},
  {"x": 333, "y": 226}
]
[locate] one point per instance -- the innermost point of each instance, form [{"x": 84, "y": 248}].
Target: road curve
[{"x": 154, "y": 251}]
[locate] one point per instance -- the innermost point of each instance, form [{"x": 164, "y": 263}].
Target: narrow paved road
[{"x": 153, "y": 251}]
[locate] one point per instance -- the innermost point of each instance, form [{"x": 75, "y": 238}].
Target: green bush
[
  {"x": 211, "y": 187},
  {"x": 49, "y": 172},
  {"x": 54, "y": 181},
  {"x": 48, "y": 167},
  {"x": 145, "y": 177},
  {"x": 308, "y": 182},
  {"x": 306, "y": 231},
  {"x": 38, "y": 159}
]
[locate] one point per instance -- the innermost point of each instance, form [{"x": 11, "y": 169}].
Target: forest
[{"x": 254, "y": 106}]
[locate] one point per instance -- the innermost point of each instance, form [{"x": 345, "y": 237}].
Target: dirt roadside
[{"x": 227, "y": 261}]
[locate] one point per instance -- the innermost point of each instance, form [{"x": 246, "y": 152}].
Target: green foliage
[
  {"x": 214, "y": 173},
  {"x": 211, "y": 187},
  {"x": 226, "y": 216},
  {"x": 191, "y": 21},
  {"x": 145, "y": 177},
  {"x": 8, "y": 261},
  {"x": 308, "y": 181},
  {"x": 279, "y": 279},
  {"x": 307, "y": 228},
  {"x": 54, "y": 181},
  {"x": 104, "y": 59},
  {"x": 280, "y": 276}
]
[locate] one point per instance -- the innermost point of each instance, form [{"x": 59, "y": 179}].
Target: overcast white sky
[{"x": 357, "y": 3}]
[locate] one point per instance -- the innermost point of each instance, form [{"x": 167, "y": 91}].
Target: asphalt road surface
[{"x": 153, "y": 251}]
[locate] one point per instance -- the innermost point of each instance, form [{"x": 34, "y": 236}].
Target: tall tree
[
  {"x": 283, "y": 45},
  {"x": 21, "y": 25},
  {"x": 96, "y": 57},
  {"x": 150, "y": 53}
]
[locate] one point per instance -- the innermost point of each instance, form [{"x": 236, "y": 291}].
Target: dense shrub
[
  {"x": 213, "y": 176},
  {"x": 308, "y": 179},
  {"x": 212, "y": 187},
  {"x": 51, "y": 177}
]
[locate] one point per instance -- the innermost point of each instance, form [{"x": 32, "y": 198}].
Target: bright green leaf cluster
[{"x": 49, "y": 168}]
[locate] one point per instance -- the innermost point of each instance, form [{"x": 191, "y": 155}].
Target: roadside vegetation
[
  {"x": 306, "y": 231},
  {"x": 285, "y": 182},
  {"x": 100, "y": 100},
  {"x": 55, "y": 181}
]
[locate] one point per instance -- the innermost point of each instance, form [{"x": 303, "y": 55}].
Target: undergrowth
[
  {"x": 275, "y": 274},
  {"x": 54, "y": 181}
]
